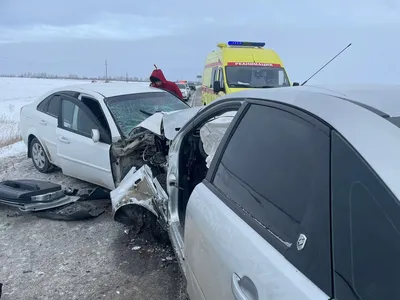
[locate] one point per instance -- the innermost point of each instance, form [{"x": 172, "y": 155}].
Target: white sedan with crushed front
[{"x": 97, "y": 132}]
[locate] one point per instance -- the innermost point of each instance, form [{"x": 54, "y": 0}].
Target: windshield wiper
[
  {"x": 135, "y": 131},
  {"x": 264, "y": 87},
  {"x": 146, "y": 112},
  {"x": 239, "y": 85}
]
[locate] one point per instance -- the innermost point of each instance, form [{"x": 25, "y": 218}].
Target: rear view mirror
[
  {"x": 95, "y": 135},
  {"x": 296, "y": 84},
  {"x": 217, "y": 87}
]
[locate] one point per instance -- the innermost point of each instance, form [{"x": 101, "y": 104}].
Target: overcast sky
[{"x": 75, "y": 36}]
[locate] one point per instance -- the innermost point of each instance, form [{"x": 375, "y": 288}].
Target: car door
[
  {"x": 79, "y": 155},
  {"x": 258, "y": 226},
  {"x": 221, "y": 82},
  {"x": 46, "y": 124},
  {"x": 366, "y": 229}
]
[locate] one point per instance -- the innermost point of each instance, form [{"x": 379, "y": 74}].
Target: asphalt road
[
  {"x": 195, "y": 100},
  {"x": 42, "y": 259}
]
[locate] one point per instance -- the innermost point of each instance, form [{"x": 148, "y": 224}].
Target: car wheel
[{"x": 39, "y": 157}]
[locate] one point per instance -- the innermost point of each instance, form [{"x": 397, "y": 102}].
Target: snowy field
[{"x": 15, "y": 93}]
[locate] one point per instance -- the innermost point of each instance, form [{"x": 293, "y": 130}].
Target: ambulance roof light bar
[{"x": 246, "y": 44}]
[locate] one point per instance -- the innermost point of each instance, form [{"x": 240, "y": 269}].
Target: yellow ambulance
[{"x": 241, "y": 65}]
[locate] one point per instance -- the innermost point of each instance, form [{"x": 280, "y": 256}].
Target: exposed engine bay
[
  {"x": 146, "y": 148},
  {"x": 140, "y": 168}
]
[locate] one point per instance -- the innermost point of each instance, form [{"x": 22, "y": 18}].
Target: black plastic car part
[
  {"x": 24, "y": 190},
  {"x": 33, "y": 195}
]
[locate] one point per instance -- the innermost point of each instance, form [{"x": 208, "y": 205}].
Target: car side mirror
[
  {"x": 296, "y": 84},
  {"x": 217, "y": 87},
  {"x": 95, "y": 135}
]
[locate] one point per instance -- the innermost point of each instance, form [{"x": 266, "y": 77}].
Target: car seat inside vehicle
[{"x": 198, "y": 150}]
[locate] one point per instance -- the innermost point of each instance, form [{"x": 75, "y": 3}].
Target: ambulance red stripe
[{"x": 253, "y": 64}]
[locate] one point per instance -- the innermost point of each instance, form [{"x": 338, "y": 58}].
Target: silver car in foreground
[{"x": 282, "y": 194}]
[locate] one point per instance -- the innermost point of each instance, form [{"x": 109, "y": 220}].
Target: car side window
[
  {"x": 221, "y": 78},
  {"x": 214, "y": 76},
  {"x": 76, "y": 119},
  {"x": 366, "y": 229},
  {"x": 275, "y": 170},
  {"x": 43, "y": 105},
  {"x": 54, "y": 106},
  {"x": 68, "y": 114}
]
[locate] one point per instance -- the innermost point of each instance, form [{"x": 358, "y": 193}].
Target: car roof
[
  {"x": 385, "y": 98},
  {"x": 110, "y": 89},
  {"x": 351, "y": 111}
]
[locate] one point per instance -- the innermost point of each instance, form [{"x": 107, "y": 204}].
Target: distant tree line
[{"x": 76, "y": 77}]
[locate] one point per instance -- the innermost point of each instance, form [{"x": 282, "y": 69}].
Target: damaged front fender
[{"x": 136, "y": 189}]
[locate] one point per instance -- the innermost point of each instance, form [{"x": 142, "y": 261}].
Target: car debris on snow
[
  {"x": 33, "y": 195},
  {"x": 49, "y": 200}
]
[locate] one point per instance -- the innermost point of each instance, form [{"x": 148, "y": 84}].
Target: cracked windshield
[{"x": 130, "y": 110}]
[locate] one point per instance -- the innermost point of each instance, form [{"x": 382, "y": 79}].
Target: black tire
[{"x": 39, "y": 157}]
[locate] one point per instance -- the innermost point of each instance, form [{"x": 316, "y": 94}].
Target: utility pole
[
  {"x": 106, "y": 64},
  {"x": 127, "y": 78}
]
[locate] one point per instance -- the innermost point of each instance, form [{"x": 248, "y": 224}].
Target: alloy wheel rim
[{"x": 38, "y": 155}]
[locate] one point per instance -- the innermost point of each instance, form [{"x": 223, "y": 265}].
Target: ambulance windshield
[{"x": 256, "y": 77}]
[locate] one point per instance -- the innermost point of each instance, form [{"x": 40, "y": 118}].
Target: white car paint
[
  {"x": 46, "y": 125},
  {"x": 79, "y": 156},
  {"x": 170, "y": 121},
  {"x": 219, "y": 237}
]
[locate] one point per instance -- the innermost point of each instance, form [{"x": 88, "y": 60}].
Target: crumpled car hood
[
  {"x": 172, "y": 122},
  {"x": 136, "y": 184}
]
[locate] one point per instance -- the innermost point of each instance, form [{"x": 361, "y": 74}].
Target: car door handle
[
  {"x": 43, "y": 122},
  {"x": 239, "y": 285},
  {"x": 63, "y": 140}
]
